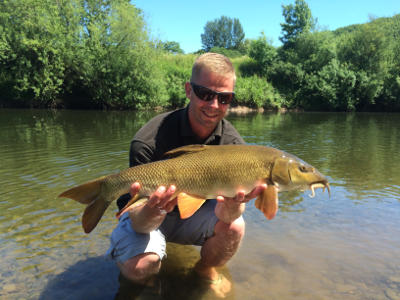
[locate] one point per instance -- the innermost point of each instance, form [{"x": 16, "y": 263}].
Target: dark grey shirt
[{"x": 171, "y": 130}]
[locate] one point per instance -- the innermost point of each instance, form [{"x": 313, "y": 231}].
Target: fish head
[{"x": 291, "y": 173}]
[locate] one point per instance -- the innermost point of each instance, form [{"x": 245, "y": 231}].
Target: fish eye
[{"x": 303, "y": 168}]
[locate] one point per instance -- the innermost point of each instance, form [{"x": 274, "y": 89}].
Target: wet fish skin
[{"x": 202, "y": 172}]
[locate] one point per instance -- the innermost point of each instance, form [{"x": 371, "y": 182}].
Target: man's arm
[
  {"x": 149, "y": 215},
  {"x": 229, "y": 209}
]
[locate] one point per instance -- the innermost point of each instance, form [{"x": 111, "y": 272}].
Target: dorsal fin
[{"x": 184, "y": 150}]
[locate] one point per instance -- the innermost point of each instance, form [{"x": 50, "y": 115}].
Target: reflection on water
[
  {"x": 345, "y": 246},
  {"x": 176, "y": 279}
]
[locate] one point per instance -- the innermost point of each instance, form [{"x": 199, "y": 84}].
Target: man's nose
[{"x": 214, "y": 102}]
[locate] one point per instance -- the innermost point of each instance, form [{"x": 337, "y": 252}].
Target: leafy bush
[
  {"x": 176, "y": 70},
  {"x": 95, "y": 51},
  {"x": 231, "y": 53},
  {"x": 263, "y": 53},
  {"x": 256, "y": 92}
]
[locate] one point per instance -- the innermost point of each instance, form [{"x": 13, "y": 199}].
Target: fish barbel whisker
[{"x": 319, "y": 185}]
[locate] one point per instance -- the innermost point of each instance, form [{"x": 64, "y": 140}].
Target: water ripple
[{"x": 351, "y": 237}]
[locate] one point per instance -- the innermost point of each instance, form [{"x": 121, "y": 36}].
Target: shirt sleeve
[{"x": 140, "y": 153}]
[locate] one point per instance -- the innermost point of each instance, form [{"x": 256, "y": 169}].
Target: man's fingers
[
  {"x": 154, "y": 198},
  {"x": 161, "y": 197},
  {"x": 220, "y": 199},
  {"x": 135, "y": 187},
  {"x": 240, "y": 196},
  {"x": 171, "y": 190},
  {"x": 166, "y": 197},
  {"x": 256, "y": 191},
  {"x": 171, "y": 204}
]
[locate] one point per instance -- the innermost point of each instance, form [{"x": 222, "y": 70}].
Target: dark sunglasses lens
[
  {"x": 203, "y": 93},
  {"x": 206, "y": 94},
  {"x": 225, "y": 98}
]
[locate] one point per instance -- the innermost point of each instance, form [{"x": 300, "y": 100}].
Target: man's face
[{"x": 207, "y": 114}]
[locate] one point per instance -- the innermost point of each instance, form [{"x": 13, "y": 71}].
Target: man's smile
[{"x": 211, "y": 114}]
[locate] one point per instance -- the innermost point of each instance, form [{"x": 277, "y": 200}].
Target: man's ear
[{"x": 188, "y": 89}]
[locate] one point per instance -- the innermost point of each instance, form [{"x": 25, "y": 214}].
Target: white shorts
[{"x": 126, "y": 243}]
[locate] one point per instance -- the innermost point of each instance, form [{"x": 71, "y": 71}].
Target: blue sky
[{"x": 183, "y": 21}]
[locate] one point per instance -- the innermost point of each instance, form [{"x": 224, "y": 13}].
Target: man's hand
[
  {"x": 229, "y": 209},
  {"x": 160, "y": 199},
  {"x": 149, "y": 216}
]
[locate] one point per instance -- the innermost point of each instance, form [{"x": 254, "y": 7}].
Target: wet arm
[
  {"x": 228, "y": 209},
  {"x": 149, "y": 215}
]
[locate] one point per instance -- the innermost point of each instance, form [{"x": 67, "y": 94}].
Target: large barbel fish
[{"x": 202, "y": 172}]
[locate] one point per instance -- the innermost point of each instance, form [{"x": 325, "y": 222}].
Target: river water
[{"x": 341, "y": 247}]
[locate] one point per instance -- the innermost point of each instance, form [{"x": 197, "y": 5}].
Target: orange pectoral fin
[
  {"x": 267, "y": 202},
  {"x": 189, "y": 204}
]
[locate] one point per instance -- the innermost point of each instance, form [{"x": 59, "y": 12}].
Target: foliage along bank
[{"x": 98, "y": 54}]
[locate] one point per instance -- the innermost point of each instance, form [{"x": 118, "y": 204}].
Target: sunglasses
[{"x": 207, "y": 94}]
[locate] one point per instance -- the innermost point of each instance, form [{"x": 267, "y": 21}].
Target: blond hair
[{"x": 213, "y": 62}]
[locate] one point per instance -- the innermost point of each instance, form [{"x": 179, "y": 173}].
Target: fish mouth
[{"x": 322, "y": 184}]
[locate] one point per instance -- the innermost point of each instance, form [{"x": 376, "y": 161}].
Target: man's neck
[{"x": 202, "y": 133}]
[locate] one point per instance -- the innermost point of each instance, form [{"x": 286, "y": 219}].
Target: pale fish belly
[{"x": 230, "y": 190}]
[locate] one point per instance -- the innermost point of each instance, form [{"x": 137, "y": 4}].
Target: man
[{"x": 138, "y": 243}]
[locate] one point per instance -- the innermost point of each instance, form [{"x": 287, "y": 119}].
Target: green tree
[
  {"x": 313, "y": 51},
  {"x": 390, "y": 98},
  {"x": 331, "y": 88},
  {"x": 176, "y": 71},
  {"x": 232, "y": 53},
  {"x": 118, "y": 65},
  {"x": 263, "y": 53},
  {"x": 172, "y": 47},
  {"x": 288, "y": 79},
  {"x": 298, "y": 20},
  {"x": 366, "y": 48},
  {"x": 93, "y": 53},
  {"x": 31, "y": 45},
  {"x": 366, "y": 51},
  {"x": 223, "y": 32}
]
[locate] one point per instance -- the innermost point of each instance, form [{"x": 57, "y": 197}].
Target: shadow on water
[
  {"x": 93, "y": 278},
  {"x": 99, "y": 278}
]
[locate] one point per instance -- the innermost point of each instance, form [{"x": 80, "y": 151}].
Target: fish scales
[
  {"x": 205, "y": 172},
  {"x": 195, "y": 173}
]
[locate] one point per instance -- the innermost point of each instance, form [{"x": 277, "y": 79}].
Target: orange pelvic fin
[
  {"x": 267, "y": 202},
  {"x": 189, "y": 204}
]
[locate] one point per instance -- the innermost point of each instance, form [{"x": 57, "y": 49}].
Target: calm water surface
[{"x": 342, "y": 247}]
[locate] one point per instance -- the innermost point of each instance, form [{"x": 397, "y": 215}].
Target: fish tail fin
[
  {"x": 85, "y": 193},
  {"x": 267, "y": 202},
  {"x": 93, "y": 213},
  {"x": 89, "y": 193}
]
